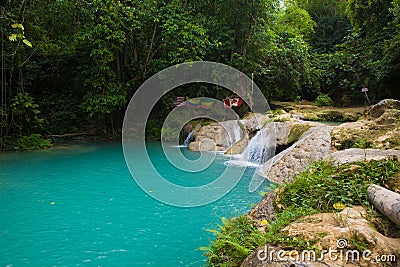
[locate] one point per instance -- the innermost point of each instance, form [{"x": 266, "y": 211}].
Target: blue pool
[{"x": 79, "y": 206}]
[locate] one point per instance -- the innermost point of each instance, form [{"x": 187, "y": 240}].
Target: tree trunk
[{"x": 386, "y": 201}]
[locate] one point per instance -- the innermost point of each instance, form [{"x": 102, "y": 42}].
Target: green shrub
[
  {"x": 362, "y": 143},
  {"x": 338, "y": 116},
  {"x": 234, "y": 241},
  {"x": 33, "y": 142},
  {"x": 326, "y": 183},
  {"x": 323, "y": 100}
]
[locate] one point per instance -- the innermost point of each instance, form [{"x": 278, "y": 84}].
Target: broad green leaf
[
  {"x": 17, "y": 25},
  {"x": 27, "y": 42},
  {"x": 13, "y": 37}
]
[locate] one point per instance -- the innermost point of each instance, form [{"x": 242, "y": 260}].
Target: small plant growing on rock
[{"x": 235, "y": 240}]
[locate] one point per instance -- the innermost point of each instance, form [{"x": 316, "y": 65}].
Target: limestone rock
[
  {"x": 238, "y": 147},
  {"x": 357, "y": 154},
  {"x": 254, "y": 122},
  {"x": 380, "y": 128},
  {"x": 350, "y": 223},
  {"x": 284, "y": 117},
  {"x": 216, "y": 136},
  {"x": 377, "y": 110},
  {"x": 368, "y": 134},
  {"x": 389, "y": 117},
  {"x": 264, "y": 210},
  {"x": 314, "y": 145},
  {"x": 282, "y": 133}
]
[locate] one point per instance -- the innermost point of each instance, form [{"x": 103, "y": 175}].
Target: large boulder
[
  {"x": 314, "y": 145},
  {"x": 217, "y": 136},
  {"x": 212, "y": 136},
  {"x": 380, "y": 128},
  {"x": 238, "y": 147},
  {"x": 254, "y": 122},
  {"x": 377, "y": 110},
  {"x": 282, "y": 133}
]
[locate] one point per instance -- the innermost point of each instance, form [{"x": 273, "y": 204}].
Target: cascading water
[
  {"x": 232, "y": 132},
  {"x": 188, "y": 138},
  {"x": 259, "y": 150},
  {"x": 237, "y": 134},
  {"x": 260, "y": 147}
]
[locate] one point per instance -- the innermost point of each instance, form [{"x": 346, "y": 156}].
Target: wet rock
[{"x": 254, "y": 122}]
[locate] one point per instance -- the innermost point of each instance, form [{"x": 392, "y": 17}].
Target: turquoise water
[{"x": 79, "y": 206}]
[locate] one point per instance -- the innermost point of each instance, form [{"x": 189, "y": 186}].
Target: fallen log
[
  {"x": 68, "y": 135},
  {"x": 386, "y": 201}
]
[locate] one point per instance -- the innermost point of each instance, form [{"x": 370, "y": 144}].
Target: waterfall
[
  {"x": 260, "y": 147},
  {"x": 259, "y": 150},
  {"x": 237, "y": 134},
  {"x": 188, "y": 138},
  {"x": 232, "y": 132}
]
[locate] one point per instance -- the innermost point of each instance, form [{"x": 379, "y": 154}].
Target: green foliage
[
  {"x": 337, "y": 116},
  {"x": 359, "y": 242},
  {"x": 19, "y": 35},
  {"x": 382, "y": 224},
  {"x": 275, "y": 236},
  {"x": 326, "y": 183},
  {"x": 235, "y": 240},
  {"x": 331, "y": 24},
  {"x": 95, "y": 56},
  {"x": 153, "y": 129},
  {"x": 362, "y": 143},
  {"x": 33, "y": 142},
  {"x": 26, "y": 113},
  {"x": 323, "y": 100}
]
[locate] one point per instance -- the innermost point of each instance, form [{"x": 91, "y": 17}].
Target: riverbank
[
  {"x": 36, "y": 142},
  {"x": 325, "y": 203},
  {"x": 318, "y": 200}
]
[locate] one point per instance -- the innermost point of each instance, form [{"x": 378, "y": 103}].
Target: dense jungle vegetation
[{"x": 71, "y": 66}]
